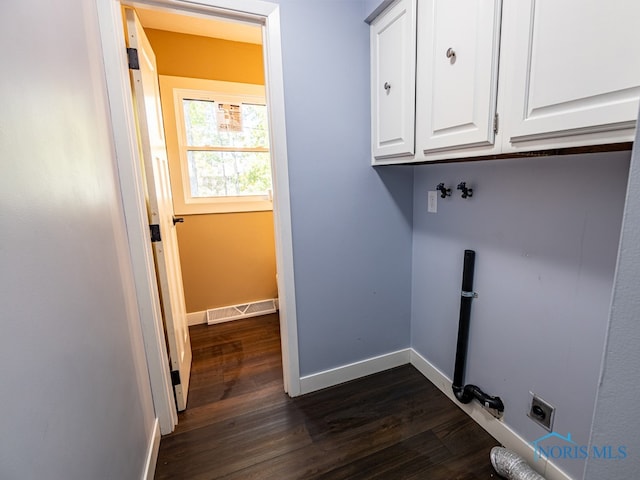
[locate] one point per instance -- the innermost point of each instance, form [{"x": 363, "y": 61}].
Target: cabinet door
[
  {"x": 573, "y": 69},
  {"x": 393, "y": 55},
  {"x": 458, "y": 53}
]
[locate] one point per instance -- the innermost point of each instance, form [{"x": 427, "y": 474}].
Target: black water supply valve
[
  {"x": 466, "y": 192},
  {"x": 444, "y": 191}
]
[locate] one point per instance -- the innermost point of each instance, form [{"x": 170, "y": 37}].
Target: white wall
[
  {"x": 545, "y": 232},
  {"x": 76, "y": 399},
  {"x": 616, "y": 421}
]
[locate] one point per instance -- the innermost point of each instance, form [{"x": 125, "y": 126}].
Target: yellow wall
[
  {"x": 192, "y": 56},
  {"x": 226, "y": 259}
]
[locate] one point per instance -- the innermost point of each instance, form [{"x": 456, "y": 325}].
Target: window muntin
[{"x": 224, "y": 147}]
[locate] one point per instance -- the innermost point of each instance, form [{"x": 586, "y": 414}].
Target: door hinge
[
  {"x": 132, "y": 57},
  {"x": 155, "y": 233},
  {"x": 496, "y": 119},
  {"x": 175, "y": 377}
]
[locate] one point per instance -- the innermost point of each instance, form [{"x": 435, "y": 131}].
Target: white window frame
[{"x": 177, "y": 88}]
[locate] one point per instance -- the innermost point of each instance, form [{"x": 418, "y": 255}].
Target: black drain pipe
[{"x": 466, "y": 393}]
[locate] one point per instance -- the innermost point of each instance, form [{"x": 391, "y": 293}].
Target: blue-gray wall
[
  {"x": 616, "y": 421},
  {"x": 545, "y": 232},
  {"x": 351, "y": 224},
  {"x": 372, "y": 8}
]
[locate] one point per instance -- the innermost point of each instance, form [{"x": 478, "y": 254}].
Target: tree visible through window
[{"x": 226, "y": 146}]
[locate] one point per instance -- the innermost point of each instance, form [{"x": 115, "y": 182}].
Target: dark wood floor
[{"x": 239, "y": 424}]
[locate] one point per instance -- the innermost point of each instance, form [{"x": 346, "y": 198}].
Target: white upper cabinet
[
  {"x": 490, "y": 77},
  {"x": 457, "y": 73},
  {"x": 571, "y": 72},
  {"x": 393, "y": 57}
]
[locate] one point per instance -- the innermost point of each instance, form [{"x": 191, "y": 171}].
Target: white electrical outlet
[{"x": 432, "y": 202}]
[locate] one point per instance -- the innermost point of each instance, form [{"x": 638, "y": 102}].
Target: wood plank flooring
[{"x": 240, "y": 425}]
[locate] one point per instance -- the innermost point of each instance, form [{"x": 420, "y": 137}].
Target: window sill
[{"x": 224, "y": 206}]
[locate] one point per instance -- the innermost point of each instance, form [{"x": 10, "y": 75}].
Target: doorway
[
  {"x": 259, "y": 13},
  {"x": 211, "y": 78}
]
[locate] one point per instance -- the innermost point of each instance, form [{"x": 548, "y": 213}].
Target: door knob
[
  {"x": 178, "y": 220},
  {"x": 387, "y": 86}
]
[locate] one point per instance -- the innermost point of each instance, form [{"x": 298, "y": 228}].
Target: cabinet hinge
[
  {"x": 175, "y": 377},
  {"x": 496, "y": 119},
  {"x": 132, "y": 57},
  {"x": 155, "y": 233}
]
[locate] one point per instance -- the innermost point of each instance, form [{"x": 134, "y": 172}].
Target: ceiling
[{"x": 199, "y": 25}]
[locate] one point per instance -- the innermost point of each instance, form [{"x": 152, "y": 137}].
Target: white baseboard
[
  {"x": 495, "y": 427},
  {"x": 197, "y": 318},
  {"x": 335, "y": 376},
  {"x": 152, "y": 452}
]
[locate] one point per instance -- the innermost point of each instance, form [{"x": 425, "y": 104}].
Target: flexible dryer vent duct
[{"x": 512, "y": 466}]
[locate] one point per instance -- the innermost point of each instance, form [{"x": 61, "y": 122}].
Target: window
[
  {"x": 223, "y": 147},
  {"x": 226, "y": 147}
]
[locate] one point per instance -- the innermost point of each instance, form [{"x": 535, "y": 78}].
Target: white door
[
  {"x": 160, "y": 208},
  {"x": 393, "y": 54},
  {"x": 573, "y": 69},
  {"x": 457, "y": 72}
]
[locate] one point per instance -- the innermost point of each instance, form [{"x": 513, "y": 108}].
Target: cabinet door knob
[
  {"x": 387, "y": 86},
  {"x": 451, "y": 53}
]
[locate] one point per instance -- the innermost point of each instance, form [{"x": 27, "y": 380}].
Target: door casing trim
[{"x": 132, "y": 184}]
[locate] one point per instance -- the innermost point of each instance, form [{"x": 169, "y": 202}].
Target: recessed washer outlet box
[{"x": 541, "y": 412}]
